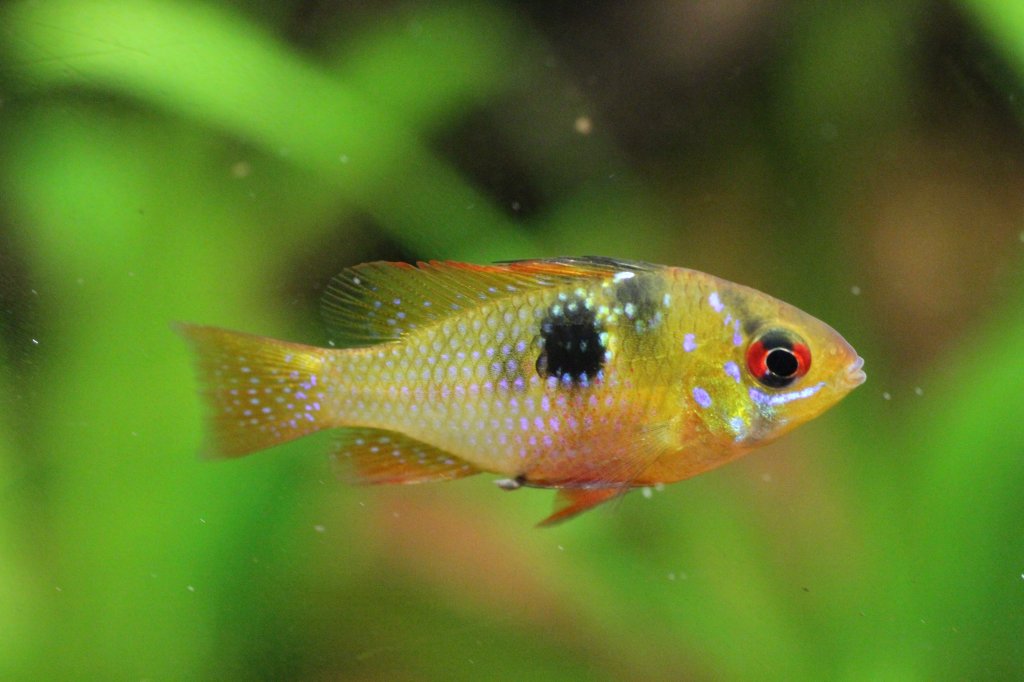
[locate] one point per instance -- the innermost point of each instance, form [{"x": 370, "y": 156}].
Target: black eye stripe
[{"x": 776, "y": 339}]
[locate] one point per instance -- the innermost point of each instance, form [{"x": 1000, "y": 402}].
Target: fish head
[{"x": 770, "y": 368}]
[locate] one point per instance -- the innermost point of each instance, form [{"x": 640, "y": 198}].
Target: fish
[{"x": 589, "y": 375}]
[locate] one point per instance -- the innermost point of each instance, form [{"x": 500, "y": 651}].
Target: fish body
[{"x": 589, "y": 375}]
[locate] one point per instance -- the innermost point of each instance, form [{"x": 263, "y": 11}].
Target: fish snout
[{"x": 855, "y": 376}]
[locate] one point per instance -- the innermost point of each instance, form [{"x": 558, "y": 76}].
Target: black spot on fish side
[{"x": 571, "y": 343}]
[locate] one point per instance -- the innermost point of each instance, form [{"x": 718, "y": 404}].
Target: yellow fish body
[{"x": 590, "y": 375}]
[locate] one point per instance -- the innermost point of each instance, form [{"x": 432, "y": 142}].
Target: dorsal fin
[
  {"x": 376, "y": 456},
  {"x": 377, "y": 302}
]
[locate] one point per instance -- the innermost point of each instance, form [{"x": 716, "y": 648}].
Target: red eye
[{"x": 777, "y": 358}]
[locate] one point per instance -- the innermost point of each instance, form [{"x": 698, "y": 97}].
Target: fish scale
[
  {"x": 470, "y": 388},
  {"x": 593, "y": 376}
]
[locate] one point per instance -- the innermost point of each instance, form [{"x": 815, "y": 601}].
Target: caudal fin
[{"x": 259, "y": 391}]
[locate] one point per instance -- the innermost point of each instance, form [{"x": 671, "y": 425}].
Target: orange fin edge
[{"x": 572, "y": 501}]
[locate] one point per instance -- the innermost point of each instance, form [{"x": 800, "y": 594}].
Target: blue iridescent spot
[
  {"x": 770, "y": 399},
  {"x": 702, "y": 397},
  {"x": 737, "y": 425},
  {"x": 733, "y": 370}
]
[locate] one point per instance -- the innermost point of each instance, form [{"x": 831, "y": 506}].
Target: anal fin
[
  {"x": 571, "y": 501},
  {"x": 376, "y": 456}
]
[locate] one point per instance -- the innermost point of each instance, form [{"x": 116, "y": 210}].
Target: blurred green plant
[{"x": 170, "y": 161}]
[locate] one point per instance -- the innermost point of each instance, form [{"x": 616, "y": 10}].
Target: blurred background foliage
[{"x": 218, "y": 162}]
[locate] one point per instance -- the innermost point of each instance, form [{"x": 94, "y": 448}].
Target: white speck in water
[
  {"x": 35, "y": 342},
  {"x": 766, "y": 477},
  {"x": 855, "y": 290},
  {"x": 202, "y": 520},
  {"x": 191, "y": 588},
  {"x": 343, "y": 158},
  {"x": 886, "y": 395},
  {"x": 562, "y": 549},
  {"x": 658, "y": 487},
  {"x": 918, "y": 391},
  {"x": 516, "y": 206},
  {"x": 584, "y": 125},
  {"x": 61, "y": 589},
  {"x": 647, "y": 492},
  {"x": 319, "y": 528},
  {"x": 1021, "y": 236}
]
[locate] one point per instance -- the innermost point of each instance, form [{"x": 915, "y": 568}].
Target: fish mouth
[{"x": 855, "y": 376}]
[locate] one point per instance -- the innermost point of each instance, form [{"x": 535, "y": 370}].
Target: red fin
[
  {"x": 260, "y": 392},
  {"x": 571, "y": 501},
  {"x": 383, "y": 457},
  {"x": 376, "y": 302}
]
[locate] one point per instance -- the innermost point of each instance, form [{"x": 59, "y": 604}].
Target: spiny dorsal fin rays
[
  {"x": 378, "y": 302},
  {"x": 603, "y": 264}
]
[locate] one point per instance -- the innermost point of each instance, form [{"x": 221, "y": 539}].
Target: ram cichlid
[{"x": 589, "y": 375}]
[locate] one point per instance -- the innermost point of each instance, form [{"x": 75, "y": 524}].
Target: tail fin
[{"x": 259, "y": 391}]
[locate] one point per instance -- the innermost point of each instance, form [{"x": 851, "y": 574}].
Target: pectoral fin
[{"x": 571, "y": 501}]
